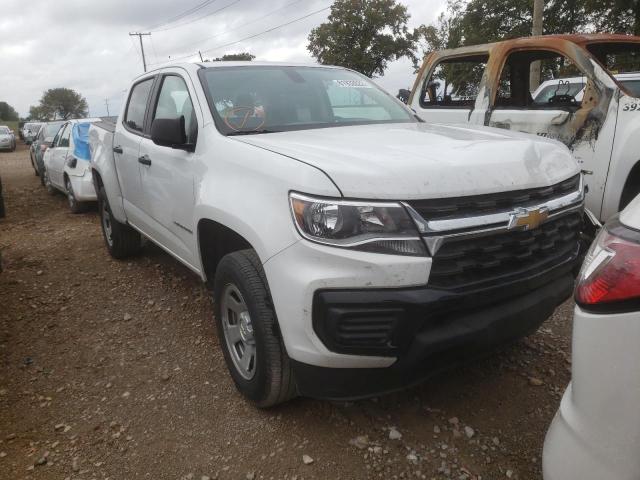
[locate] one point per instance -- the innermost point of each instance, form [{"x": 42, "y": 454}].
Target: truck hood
[{"x": 418, "y": 160}]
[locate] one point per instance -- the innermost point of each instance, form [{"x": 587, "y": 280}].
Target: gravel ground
[{"x": 112, "y": 369}]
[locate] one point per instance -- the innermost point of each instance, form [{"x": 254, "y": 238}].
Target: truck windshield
[{"x": 265, "y": 99}]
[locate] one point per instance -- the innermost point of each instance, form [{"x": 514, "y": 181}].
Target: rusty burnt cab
[{"x": 591, "y": 102}]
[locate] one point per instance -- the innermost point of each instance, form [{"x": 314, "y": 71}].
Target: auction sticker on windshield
[{"x": 352, "y": 84}]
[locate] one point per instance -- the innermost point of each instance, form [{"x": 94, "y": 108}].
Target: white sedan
[
  {"x": 596, "y": 433},
  {"x": 67, "y": 164}
]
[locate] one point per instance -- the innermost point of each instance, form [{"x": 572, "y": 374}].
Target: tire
[
  {"x": 74, "y": 205},
  {"x": 122, "y": 241},
  {"x": 51, "y": 190},
  {"x": 2, "y": 209},
  {"x": 33, "y": 164},
  {"x": 240, "y": 283}
]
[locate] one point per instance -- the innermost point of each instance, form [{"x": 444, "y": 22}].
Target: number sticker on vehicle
[
  {"x": 631, "y": 107},
  {"x": 352, "y": 84}
]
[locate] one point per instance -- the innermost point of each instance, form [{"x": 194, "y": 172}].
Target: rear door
[
  {"x": 126, "y": 148},
  {"x": 167, "y": 173},
  {"x": 451, "y": 90},
  {"x": 58, "y": 156}
]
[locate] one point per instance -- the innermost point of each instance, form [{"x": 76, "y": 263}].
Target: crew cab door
[
  {"x": 452, "y": 90},
  {"x": 586, "y": 125},
  {"x": 167, "y": 174},
  {"x": 126, "y": 148},
  {"x": 58, "y": 156}
]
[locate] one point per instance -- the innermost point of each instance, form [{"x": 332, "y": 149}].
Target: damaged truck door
[{"x": 594, "y": 114}]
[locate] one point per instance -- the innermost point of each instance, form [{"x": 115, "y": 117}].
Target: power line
[
  {"x": 197, "y": 18},
  {"x": 182, "y": 15},
  {"x": 140, "y": 35},
  {"x": 252, "y": 36},
  {"x": 268, "y": 31},
  {"x": 239, "y": 27}
]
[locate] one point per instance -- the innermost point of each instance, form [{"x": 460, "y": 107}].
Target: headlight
[{"x": 370, "y": 226}]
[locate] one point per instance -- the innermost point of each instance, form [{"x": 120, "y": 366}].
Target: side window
[
  {"x": 56, "y": 139},
  {"x": 454, "y": 83},
  {"x": 64, "y": 136},
  {"x": 174, "y": 102},
  {"x": 134, "y": 116},
  {"x": 560, "y": 85}
]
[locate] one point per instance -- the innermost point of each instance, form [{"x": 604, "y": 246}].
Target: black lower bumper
[{"x": 431, "y": 330}]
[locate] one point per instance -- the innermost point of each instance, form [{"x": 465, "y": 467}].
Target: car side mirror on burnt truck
[{"x": 171, "y": 132}]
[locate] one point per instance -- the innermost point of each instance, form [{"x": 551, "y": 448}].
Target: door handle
[
  {"x": 118, "y": 149},
  {"x": 144, "y": 160}
]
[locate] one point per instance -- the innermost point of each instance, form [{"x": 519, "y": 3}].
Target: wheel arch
[
  {"x": 631, "y": 186},
  {"x": 215, "y": 240}
]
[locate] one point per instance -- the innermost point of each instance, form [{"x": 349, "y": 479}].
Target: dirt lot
[{"x": 112, "y": 370}]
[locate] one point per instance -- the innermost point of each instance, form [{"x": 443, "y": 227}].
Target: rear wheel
[
  {"x": 33, "y": 163},
  {"x": 248, "y": 331},
  {"x": 51, "y": 190},
  {"x": 122, "y": 240},
  {"x": 74, "y": 205}
]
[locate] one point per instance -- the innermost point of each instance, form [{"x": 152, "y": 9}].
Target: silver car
[
  {"x": 30, "y": 131},
  {"x": 596, "y": 433},
  {"x": 7, "y": 139}
]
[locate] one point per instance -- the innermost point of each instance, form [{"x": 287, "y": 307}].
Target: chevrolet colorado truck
[
  {"x": 352, "y": 248},
  {"x": 591, "y": 101}
]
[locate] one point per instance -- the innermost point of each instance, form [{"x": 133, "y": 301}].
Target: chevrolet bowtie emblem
[{"x": 528, "y": 218}]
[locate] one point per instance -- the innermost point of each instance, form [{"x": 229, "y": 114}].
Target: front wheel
[
  {"x": 122, "y": 240},
  {"x": 248, "y": 331}
]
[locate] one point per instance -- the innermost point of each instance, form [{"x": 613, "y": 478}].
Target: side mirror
[{"x": 170, "y": 132}]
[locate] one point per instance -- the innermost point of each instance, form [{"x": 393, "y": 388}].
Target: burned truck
[{"x": 582, "y": 90}]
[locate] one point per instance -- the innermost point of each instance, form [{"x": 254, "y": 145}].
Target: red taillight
[{"x": 610, "y": 274}]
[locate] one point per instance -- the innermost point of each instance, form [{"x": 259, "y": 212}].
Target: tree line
[{"x": 365, "y": 35}]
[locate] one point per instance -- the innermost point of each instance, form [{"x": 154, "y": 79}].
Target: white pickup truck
[
  {"x": 352, "y": 248},
  {"x": 598, "y": 117}
]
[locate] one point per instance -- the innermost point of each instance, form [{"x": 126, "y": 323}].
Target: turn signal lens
[{"x": 610, "y": 275}]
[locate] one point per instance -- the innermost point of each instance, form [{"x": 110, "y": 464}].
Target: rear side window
[
  {"x": 454, "y": 83},
  {"x": 64, "y": 137},
  {"x": 134, "y": 116}
]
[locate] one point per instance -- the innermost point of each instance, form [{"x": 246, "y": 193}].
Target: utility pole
[
  {"x": 106, "y": 102},
  {"x": 538, "y": 15},
  {"x": 140, "y": 35}
]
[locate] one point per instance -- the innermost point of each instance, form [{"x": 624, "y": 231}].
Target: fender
[{"x": 104, "y": 168}]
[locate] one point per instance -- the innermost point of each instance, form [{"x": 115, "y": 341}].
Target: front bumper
[
  {"x": 83, "y": 187},
  {"x": 315, "y": 287},
  {"x": 434, "y": 331}
]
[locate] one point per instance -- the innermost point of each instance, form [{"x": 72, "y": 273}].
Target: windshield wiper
[{"x": 252, "y": 132}]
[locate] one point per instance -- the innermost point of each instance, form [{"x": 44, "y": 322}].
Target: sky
[{"x": 85, "y": 44}]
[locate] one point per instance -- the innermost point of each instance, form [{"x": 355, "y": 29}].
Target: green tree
[
  {"x": 36, "y": 114},
  {"x": 236, "y": 57},
  {"x": 615, "y": 16},
  {"x": 8, "y": 113},
  {"x": 363, "y": 35},
  {"x": 444, "y": 33},
  {"x": 60, "y": 103}
]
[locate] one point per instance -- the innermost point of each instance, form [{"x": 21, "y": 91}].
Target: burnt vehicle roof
[{"x": 580, "y": 39}]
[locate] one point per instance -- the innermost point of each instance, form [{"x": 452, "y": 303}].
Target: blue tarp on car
[{"x": 80, "y": 134}]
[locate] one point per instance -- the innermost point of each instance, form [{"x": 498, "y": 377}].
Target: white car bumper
[
  {"x": 83, "y": 188},
  {"x": 596, "y": 433},
  {"x": 357, "y": 324}
]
